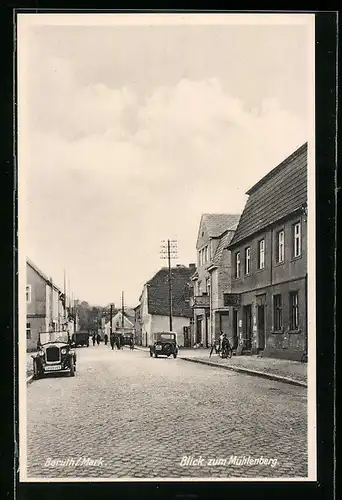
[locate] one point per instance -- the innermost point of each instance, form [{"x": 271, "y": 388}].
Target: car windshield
[
  {"x": 47, "y": 337},
  {"x": 166, "y": 336}
]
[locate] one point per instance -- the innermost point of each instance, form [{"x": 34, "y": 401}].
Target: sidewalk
[
  {"x": 283, "y": 370},
  {"x": 29, "y": 364}
]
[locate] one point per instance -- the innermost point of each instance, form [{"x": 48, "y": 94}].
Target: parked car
[
  {"x": 165, "y": 344},
  {"x": 81, "y": 338},
  {"x": 55, "y": 356}
]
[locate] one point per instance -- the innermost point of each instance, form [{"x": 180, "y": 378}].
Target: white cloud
[{"x": 109, "y": 177}]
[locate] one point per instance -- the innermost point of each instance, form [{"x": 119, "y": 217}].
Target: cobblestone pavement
[{"x": 139, "y": 416}]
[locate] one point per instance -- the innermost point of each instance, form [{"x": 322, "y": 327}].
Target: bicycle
[{"x": 226, "y": 352}]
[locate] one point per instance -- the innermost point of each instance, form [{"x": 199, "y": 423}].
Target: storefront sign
[
  {"x": 232, "y": 299},
  {"x": 201, "y": 302}
]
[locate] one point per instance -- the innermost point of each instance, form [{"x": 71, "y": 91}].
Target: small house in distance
[{"x": 154, "y": 304}]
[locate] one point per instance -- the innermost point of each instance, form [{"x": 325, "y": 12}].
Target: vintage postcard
[{"x": 166, "y": 194}]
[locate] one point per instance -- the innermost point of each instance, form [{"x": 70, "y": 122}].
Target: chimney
[{"x": 192, "y": 267}]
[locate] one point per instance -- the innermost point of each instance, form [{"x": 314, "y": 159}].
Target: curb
[
  {"x": 29, "y": 380},
  {"x": 247, "y": 371}
]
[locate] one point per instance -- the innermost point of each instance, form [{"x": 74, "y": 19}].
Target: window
[
  {"x": 277, "y": 313},
  {"x": 247, "y": 260},
  {"x": 28, "y": 294},
  {"x": 296, "y": 240},
  {"x": 294, "y": 313},
  {"x": 280, "y": 246},
  {"x": 28, "y": 331},
  {"x": 237, "y": 265},
  {"x": 261, "y": 254}
]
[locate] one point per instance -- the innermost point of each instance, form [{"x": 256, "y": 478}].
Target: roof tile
[
  {"x": 158, "y": 292},
  {"x": 278, "y": 194}
]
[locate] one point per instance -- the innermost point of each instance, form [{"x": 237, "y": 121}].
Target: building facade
[
  {"x": 212, "y": 277},
  {"x": 269, "y": 258},
  {"x": 45, "y": 305},
  {"x": 154, "y": 305},
  {"x": 137, "y": 325},
  {"x": 125, "y": 326}
]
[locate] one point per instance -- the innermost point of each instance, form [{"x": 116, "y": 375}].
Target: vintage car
[
  {"x": 165, "y": 344},
  {"x": 58, "y": 355},
  {"x": 81, "y": 338},
  {"x": 128, "y": 339}
]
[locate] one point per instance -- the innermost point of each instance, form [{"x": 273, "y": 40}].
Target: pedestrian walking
[
  {"x": 98, "y": 339},
  {"x": 105, "y": 339},
  {"x": 94, "y": 339},
  {"x": 112, "y": 341},
  {"x": 118, "y": 344}
]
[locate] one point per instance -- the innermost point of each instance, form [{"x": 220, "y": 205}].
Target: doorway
[
  {"x": 199, "y": 330},
  {"x": 247, "y": 326},
  {"x": 261, "y": 327},
  {"x": 235, "y": 328}
]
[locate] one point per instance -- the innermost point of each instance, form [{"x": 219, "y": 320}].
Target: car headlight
[
  {"x": 64, "y": 351},
  {"x": 41, "y": 353}
]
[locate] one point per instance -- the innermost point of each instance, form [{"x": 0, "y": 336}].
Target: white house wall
[{"x": 161, "y": 323}]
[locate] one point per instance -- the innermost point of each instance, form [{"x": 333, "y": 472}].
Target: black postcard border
[{"x": 326, "y": 252}]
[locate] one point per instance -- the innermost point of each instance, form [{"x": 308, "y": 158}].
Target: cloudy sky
[{"x": 128, "y": 133}]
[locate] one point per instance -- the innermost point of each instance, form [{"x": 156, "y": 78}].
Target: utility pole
[
  {"x": 111, "y": 319},
  {"x": 65, "y": 303},
  {"x": 75, "y": 317},
  {"x": 122, "y": 313},
  {"x": 169, "y": 251}
]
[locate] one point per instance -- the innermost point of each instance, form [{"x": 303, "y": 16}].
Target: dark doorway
[
  {"x": 199, "y": 330},
  {"x": 261, "y": 327},
  {"x": 207, "y": 318},
  {"x": 235, "y": 328},
  {"x": 247, "y": 326}
]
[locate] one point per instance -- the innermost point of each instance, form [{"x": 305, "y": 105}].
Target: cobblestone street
[{"x": 139, "y": 416}]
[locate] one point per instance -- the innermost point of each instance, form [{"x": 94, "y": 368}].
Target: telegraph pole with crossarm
[{"x": 169, "y": 251}]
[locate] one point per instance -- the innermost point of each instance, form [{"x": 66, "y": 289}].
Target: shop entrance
[
  {"x": 261, "y": 326},
  {"x": 199, "y": 330},
  {"x": 247, "y": 326}
]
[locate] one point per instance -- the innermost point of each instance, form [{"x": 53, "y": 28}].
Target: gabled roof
[
  {"x": 278, "y": 194},
  {"x": 41, "y": 274},
  {"x": 119, "y": 315},
  {"x": 158, "y": 292},
  {"x": 223, "y": 244},
  {"x": 216, "y": 224}
]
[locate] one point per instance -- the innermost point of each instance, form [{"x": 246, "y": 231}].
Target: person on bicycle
[
  {"x": 221, "y": 340},
  {"x": 225, "y": 345}
]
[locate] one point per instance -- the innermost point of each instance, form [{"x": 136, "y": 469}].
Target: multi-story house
[
  {"x": 45, "y": 305},
  {"x": 269, "y": 251},
  {"x": 154, "y": 304},
  {"x": 212, "y": 277}
]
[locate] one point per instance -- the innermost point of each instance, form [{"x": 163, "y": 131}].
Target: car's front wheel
[
  {"x": 155, "y": 355},
  {"x": 175, "y": 355},
  {"x": 151, "y": 354},
  {"x": 72, "y": 369}
]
